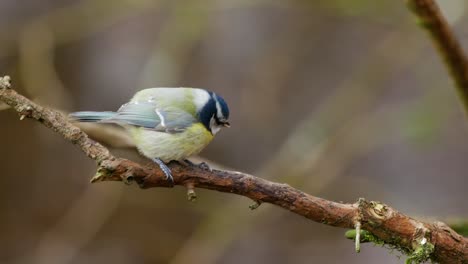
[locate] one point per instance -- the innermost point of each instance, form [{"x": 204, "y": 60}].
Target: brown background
[{"x": 342, "y": 99}]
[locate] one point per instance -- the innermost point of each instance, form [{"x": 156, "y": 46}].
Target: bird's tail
[{"x": 89, "y": 116}]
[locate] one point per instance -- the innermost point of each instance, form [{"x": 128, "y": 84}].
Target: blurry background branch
[
  {"x": 421, "y": 241},
  {"x": 431, "y": 18}
]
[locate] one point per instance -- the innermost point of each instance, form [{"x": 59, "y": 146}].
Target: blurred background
[{"x": 341, "y": 99}]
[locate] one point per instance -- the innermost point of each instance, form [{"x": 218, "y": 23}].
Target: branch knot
[{"x": 5, "y": 82}]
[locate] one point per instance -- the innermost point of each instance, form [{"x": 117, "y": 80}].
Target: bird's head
[{"x": 213, "y": 112}]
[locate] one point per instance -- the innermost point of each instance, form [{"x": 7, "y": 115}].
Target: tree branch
[
  {"x": 445, "y": 40},
  {"x": 435, "y": 240}
]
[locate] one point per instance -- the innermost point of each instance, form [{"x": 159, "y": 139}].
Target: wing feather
[{"x": 151, "y": 116}]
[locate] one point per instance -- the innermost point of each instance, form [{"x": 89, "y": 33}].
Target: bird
[{"x": 167, "y": 124}]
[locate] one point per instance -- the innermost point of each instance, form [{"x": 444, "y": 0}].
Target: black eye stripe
[{"x": 207, "y": 112}]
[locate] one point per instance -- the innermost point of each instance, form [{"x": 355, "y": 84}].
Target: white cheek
[
  {"x": 215, "y": 129},
  {"x": 218, "y": 109}
]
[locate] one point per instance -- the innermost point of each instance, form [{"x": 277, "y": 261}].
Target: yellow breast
[{"x": 166, "y": 146}]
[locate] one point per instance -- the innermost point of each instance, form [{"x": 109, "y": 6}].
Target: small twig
[
  {"x": 255, "y": 205},
  {"x": 191, "y": 195},
  {"x": 382, "y": 221}
]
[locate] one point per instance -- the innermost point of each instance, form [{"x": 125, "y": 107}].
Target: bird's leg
[
  {"x": 164, "y": 169},
  {"x": 202, "y": 165}
]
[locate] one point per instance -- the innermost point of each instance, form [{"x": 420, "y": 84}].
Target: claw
[{"x": 164, "y": 169}]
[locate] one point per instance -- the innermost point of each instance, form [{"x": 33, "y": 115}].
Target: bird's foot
[
  {"x": 202, "y": 165},
  {"x": 164, "y": 169}
]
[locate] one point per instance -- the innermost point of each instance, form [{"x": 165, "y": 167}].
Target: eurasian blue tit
[{"x": 167, "y": 123}]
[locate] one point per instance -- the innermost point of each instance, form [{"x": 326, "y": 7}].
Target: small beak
[{"x": 226, "y": 124}]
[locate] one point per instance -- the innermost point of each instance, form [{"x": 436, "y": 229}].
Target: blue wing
[{"x": 150, "y": 116}]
